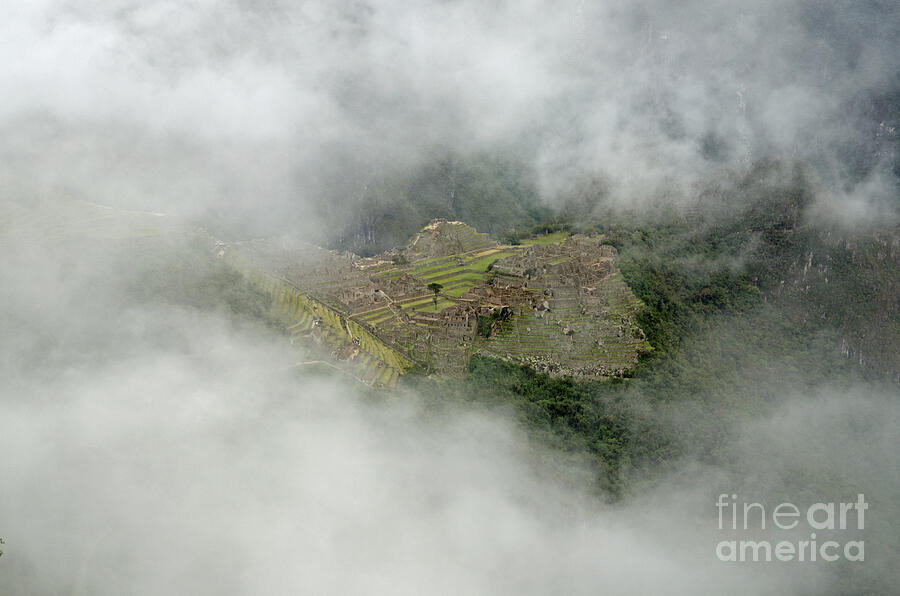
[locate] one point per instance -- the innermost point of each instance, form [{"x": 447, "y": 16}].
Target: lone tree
[{"x": 436, "y": 288}]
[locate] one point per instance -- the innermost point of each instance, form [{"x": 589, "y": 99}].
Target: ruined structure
[
  {"x": 401, "y": 287},
  {"x": 444, "y": 238},
  {"x": 500, "y": 295},
  {"x": 561, "y": 307}
]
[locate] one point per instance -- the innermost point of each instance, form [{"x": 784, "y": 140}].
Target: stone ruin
[
  {"x": 459, "y": 321},
  {"x": 579, "y": 259},
  {"x": 550, "y": 306},
  {"x": 500, "y": 295},
  {"x": 358, "y": 298},
  {"x": 444, "y": 238},
  {"x": 402, "y": 287}
]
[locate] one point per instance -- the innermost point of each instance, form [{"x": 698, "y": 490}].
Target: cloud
[
  {"x": 193, "y": 107},
  {"x": 150, "y": 446},
  {"x": 196, "y": 473}
]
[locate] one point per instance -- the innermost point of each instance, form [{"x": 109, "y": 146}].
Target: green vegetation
[
  {"x": 737, "y": 303},
  {"x": 486, "y": 322},
  {"x": 458, "y": 288},
  {"x": 458, "y": 275},
  {"x": 491, "y": 192},
  {"x": 545, "y": 239},
  {"x": 484, "y": 263},
  {"x": 560, "y": 412},
  {"x": 438, "y": 306},
  {"x": 741, "y": 302},
  {"x": 736, "y": 316},
  {"x": 443, "y": 263},
  {"x": 436, "y": 289}
]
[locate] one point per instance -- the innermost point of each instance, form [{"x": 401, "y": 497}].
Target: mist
[
  {"x": 186, "y": 454},
  {"x": 153, "y": 444},
  {"x": 242, "y": 105}
]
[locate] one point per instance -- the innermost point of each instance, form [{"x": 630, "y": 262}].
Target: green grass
[
  {"x": 389, "y": 274},
  {"x": 421, "y": 271},
  {"x": 463, "y": 275},
  {"x": 381, "y": 268},
  {"x": 416, "y": 302},
  {"x": 432, "y": 260},
  {"x": 373, "y": 314},
  {"x": 483, "y": 263},
  {"x": 458, "y": 289},
  {"x": 441, "y": 273},
  {"x": 489, "y": 251},
  {"x": 381, "y": 319},
  {"x": 431, "y": 308}
]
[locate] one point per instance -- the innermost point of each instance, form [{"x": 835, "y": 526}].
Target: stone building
[
  {"x": 459, "y": 320},
  {"x": 401, "y": 287},
  {"x": 499, "y": 295},
  {"x": 359, "y": 297}
]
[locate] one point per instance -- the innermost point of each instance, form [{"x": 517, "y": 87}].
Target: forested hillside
[
  {"x": 490, "y": 192},
  {"x": 746, "y": 299}
]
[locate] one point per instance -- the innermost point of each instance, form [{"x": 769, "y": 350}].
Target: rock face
[
  {"x": 560, "y": 307},
  {"x": 853, "y": 283}
]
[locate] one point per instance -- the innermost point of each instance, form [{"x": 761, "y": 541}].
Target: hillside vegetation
[
  {"x": 494, "y": 194},
  {"x": 745, "y": 302}
]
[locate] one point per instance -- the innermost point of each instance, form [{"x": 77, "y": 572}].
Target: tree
[{"x": 436, "y": 288}]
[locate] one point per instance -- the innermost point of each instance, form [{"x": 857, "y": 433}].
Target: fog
[
  {"x": 151, "y": 446},
  {"x": 154, "y": 447},
  {"x": 240, "y": 105},
  {"x": 180, "y": 454}
]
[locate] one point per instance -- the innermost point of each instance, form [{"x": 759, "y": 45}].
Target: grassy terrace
[
  {"x": 424, "y": 263},
  {"x": 373, "y": 314},
  {"x": 476, "y": 260},
  {"x": 379, "y": 268},
  {"x": 605, "y": 338},
  {"x": 456, "y": 278},
  {"x": 431, "y": 308},
  {"x": 381, "y": 318},
  {"x": 456, "y": 289},
  {"x": 444, "y": 263},
  {"x": 484, "y": 263},
  {"x": 377, "y": 363},
  {"x": 458, "y": 275},
  {"x": 416, "y": 302}
]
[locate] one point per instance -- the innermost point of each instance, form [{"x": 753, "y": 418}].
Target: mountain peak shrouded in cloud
[{"x": 218, "y": 106}]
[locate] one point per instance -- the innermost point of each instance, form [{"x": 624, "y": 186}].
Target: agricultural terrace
[{"x": 456, "y": 273}]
